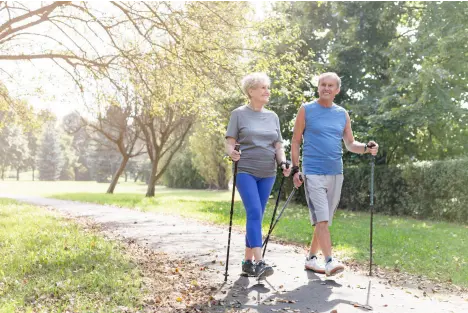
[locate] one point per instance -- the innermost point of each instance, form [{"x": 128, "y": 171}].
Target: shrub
[{"x": 432, "y": 190}]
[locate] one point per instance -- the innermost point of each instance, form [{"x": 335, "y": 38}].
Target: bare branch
[
  {"x": 68, "y": 58},
  {"x": 49, "y": 8}
]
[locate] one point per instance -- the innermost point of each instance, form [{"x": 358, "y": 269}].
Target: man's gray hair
[
  {"x": 253, "y": 80},
  {"x": 332, "y": 75}
]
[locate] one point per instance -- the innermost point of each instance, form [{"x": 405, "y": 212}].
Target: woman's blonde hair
[{"x": 253, "y": 80}]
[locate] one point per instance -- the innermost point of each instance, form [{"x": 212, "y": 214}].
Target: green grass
[
  {"x": 48, "y": 188},
  {"x": 433, "y": 249},
  {"x": 48, "y": 264}
]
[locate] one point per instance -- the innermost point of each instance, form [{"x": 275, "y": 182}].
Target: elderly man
[{"x": 322, "y": 125}]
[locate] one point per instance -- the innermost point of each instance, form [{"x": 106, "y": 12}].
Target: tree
[
  {"x": 18, "y": 151},
  {"x": 183, "y": 174},
  {"x": 73, "y": 125},
  {"x": 33, "y": 147},
  {"x": 419, "y": 112},
  {"x": 50, "y": 159},
  {"x": 13, "y": 111},
  {"x": 279, "y": 55},
  {"x": 13, "y": 149},
  {"x": 99, "y": 40},
  {"x": 173, "y": 85},
  {"x": 207, "y": 150},
  {"x": 70, "y": 157},
  {"x": 104, "y": 159},
  {"x": 164, "y": 135},
  {"x": 400, "y": 70},
  {"x": 119, "y": 127}
]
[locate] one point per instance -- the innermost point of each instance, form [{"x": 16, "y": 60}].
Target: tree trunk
[
  {"x": 117, "y": 174},
  {"x": 126, "y": 176},
  {"x": 152, "y": 180},
  {"x": 3, "y": 173},
  {"x": 17, "y": 174},
  {"x": 33, "y": 173},
  {"x": 136, "y": 177}
]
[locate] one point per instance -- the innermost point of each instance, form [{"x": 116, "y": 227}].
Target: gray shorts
[{"x": 323, "y": 195}]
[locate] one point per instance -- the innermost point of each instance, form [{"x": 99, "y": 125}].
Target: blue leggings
[{"x": 254, "y": 192}]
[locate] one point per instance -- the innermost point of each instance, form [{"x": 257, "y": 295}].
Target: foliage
[
  {"x": 279, "y": 55},
  {"x": 207, "y": 150},
  {"x": 183, "y": 174},
  {"x": 400, "y": 68},
  {"x": 33, "y": 146},
  {"x": 70, "y": 157},
  {"x": 14, "y": 149},
  {"x": 138, "y": 168},
  {"x": 103, "y": 161},
  {"x": 50, "y": 157},
  {"x": 80, "y": 144},
  {"x": 428, "y": 190}
]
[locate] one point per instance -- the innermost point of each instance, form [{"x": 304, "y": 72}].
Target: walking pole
[
  {"x": 371, "y": 210},
  {"x": 367, "y": 306},
  {"x": 232, "y": 210},
  {"x": 274, "y": 211},
  {"x": 279, "y": 216}
]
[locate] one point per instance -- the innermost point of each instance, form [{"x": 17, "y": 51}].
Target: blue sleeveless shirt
[{"x": 322, "y": 150}]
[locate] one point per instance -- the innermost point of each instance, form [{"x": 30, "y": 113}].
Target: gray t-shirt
[{"x": 257, "y": 133}]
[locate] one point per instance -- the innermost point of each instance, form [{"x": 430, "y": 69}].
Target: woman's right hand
[{"x": 235, "y": 155}]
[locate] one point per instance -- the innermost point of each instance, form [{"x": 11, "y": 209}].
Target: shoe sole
[
  {"x": 314, "y": 270},
  {"x": 265, "y": 274},
  {"x": 261, "y": 276},
  {"x": 335, "y": 271}
]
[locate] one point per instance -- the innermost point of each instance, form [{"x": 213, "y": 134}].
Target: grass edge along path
[
  {"x": 52, "y": 264},
  {"x": 436, "y": 250}
]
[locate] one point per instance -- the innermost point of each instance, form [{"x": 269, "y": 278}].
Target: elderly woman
[{"x": 257, "y": 130}]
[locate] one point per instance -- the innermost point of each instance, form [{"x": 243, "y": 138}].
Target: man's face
[{"x": 328, "y": 88}]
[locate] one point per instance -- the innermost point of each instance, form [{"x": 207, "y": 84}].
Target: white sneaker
[
  {"x": 313, "y": 265},
  {"x": 333, "y": 267}
]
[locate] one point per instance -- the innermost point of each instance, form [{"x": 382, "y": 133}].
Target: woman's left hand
[{"x": 286, "y": 170}]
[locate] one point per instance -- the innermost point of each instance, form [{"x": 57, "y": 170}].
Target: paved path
[{"x": 305, "y": 291}]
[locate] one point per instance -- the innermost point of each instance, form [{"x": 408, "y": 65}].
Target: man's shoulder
[
  {"x": 339, "y": 108},
  {"x": 310, "y": 104}
]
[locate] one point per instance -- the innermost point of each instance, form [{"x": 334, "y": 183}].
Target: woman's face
[{"x": 260, "y": 93}]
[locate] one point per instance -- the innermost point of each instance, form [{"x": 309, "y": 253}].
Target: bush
[
  {"x": 431, "y": 190},
  {"x": 434, "y": 190},
  {"x": 182, "y": 174}
]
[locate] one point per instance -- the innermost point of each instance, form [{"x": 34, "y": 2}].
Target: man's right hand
[
  {"x": 296, "y": 180},
  {"x": 235, "y": 155}
]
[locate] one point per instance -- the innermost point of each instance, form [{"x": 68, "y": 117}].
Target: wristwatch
[{"x": 294, "y": 170}]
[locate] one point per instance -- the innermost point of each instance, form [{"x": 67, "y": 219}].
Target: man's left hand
[{"x": 372, "y": 147}]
